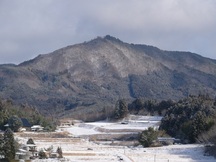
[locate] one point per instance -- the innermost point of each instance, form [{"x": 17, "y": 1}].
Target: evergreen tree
[
  {"x": 30, "y": 141},
  {"x": 42, "y": 154},
  {"x": 15, "y": 123},
  {"x": 1, "y": 145},
  {"x": 189, "y": 118},
  {"x": 9, "y": 146},
  {"x": 121, "y": 109},
  {"x": 136, "y": 106},
  {"x": 147, "y": 137},
  {"x": 4, "y": 114},
  {"x": 59, "y": 151}
]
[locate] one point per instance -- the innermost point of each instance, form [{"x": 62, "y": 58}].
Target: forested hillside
[
  {"x": 11, "y": 114},
  {"x": 88, "y": 78}
]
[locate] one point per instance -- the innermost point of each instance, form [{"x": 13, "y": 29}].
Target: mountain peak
[
  {"x": 99, "y": 57},
  {"x": 97, "y": 72},
  {"x": 123, "y": 58},
  {"x": 111, "y": 38}
]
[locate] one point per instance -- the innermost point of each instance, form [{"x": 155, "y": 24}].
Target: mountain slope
[{"x": 93, "y": 75}]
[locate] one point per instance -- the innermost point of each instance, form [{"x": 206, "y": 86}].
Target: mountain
[{"x": 88, "y": 78}]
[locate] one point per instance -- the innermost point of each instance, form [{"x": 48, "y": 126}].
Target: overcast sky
[{"x": 32, "y": 27}]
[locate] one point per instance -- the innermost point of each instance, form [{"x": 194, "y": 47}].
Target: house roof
[
  {"x": 6, "y": 125},
  {"x": 25, "y": 122},
  {"x": 31, "y": 145},
  {"x": 36, "y": 126}
]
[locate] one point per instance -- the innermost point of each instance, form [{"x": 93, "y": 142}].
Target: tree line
[
  {"x": 188, "y": 118},
  {"x": 11, "y": 114},
  {"x": 192, "y": 119}
]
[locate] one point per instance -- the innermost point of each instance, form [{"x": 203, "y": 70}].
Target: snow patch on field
[
  {"x": 132, "y": 124},
  {"x": 77, "y": 131}
]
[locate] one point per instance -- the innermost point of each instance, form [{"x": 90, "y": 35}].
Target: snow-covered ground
[
  {"x": 80, "y": 149},
  {"x": 132, "y": 124}
]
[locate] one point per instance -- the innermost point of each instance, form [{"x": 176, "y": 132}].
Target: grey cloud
[{"x": 29, "y": 28}]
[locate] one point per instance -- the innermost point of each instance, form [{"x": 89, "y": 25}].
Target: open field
[
  {"x": 80, "y": 150},
  {"x": 78, "y": 147}
]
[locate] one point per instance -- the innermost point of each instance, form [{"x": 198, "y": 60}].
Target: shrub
[
  {"x": 148, "y": 137},
  {"x": 42, "y": 154},
  {"x": 59, "y": 151}
]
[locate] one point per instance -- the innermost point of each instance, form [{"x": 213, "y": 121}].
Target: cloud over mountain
[{"x": 29, "y": 28}]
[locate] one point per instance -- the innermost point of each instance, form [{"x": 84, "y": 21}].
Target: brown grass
[
  {"x": 45, "y": 134},
  {"x": 79, "y": 154},
  {"x": 62, "y": 140}
]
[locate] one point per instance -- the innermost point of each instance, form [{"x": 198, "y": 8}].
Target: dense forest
[
  {"x": 192, "y": 119},
  {"x": 189, "y": 118}
]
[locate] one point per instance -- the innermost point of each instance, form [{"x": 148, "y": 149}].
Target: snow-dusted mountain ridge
[{"x": 96, "y": 73}]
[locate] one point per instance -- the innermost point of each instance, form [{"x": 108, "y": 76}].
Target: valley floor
[
  {"x": 80, "y": 150},
  {"x": 77, "y": 147}
]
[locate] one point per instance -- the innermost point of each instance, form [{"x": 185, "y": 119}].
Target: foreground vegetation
[{"x": 8, "y": 145}]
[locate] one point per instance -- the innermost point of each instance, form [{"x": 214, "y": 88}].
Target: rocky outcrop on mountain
[{"x": 94, "y": 74}]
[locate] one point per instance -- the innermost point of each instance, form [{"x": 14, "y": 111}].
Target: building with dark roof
[{"x": 26, "y": 124}]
